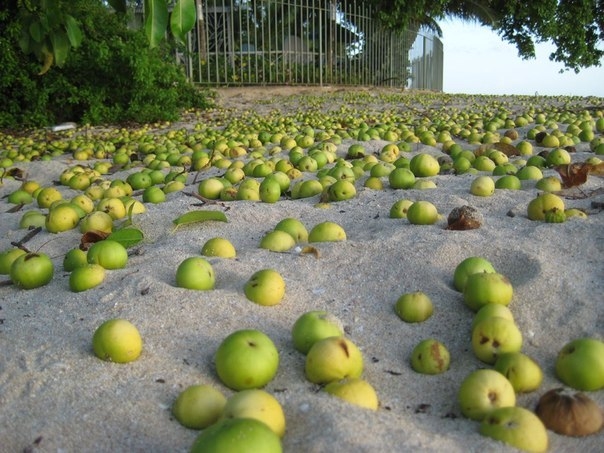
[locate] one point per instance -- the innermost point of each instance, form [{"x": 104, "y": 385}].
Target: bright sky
[{"x": 478, "y": 61}]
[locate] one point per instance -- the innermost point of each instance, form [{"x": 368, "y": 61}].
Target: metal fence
[{"x": 309, "y": 42}]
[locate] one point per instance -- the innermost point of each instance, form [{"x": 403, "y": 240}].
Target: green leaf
[
  {"x": 182, "y": 19},
  {"x": 156, "y": 21},
  {"x": 60, "y": 47},
  {"x": 73, "y": 31},
  {"x": 199, "y": 216},
  {"x": 35, "y": 31},
  {"x": 127, "y": 236}
]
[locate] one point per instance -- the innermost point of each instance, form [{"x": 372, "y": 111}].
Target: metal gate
[{"x": 307, "y": 42}]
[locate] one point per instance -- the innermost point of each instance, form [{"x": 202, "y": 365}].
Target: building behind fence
[{"x": 309, "y": 42}]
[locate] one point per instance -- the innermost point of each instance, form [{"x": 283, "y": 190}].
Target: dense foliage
[
  {"x": 576, "y": 27},
  {"x": 112, "y": 76}
]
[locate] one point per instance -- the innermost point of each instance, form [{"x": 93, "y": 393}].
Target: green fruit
[
  {"x": 237, "y": 435},
  {"x": 86, "y": 277},
  {"x": 313, "y": 326},
  {"x": 490, "y": 310},
  {"x": 510, "y": 182},
  {"x": 467, "y": 267},
  {"x": 256, "y": 404},
  {"x": 482, "y": 391},
  {"x": 399, "y": 209},
  {"x": 220, "y": 247},
  {"x": 494, "y": 336},
  {"x": 61, "y": 218},
  {"x": 269, "y": 190},
  {"x": 341, "y": 190},
  {"x": 524, "y": 373},
  {"x": 327, "y": 232},
  {"x": 414, "y": 307},
  {"x": 31, "y": 270},
  {"x": 277, "y": 241},
  {"x": 108, "y": 253},
  {"x": 422, "y": 213},
  {"x": 246, "y": 359},
  {"x": 423, "y": 165},
  {"x": 555, "y": 215},
  {"x": 538, "y": 207},
  {"x": 333, "y": 359},
  {"x": 430, "y": 356},
  {"x": 580, "y": 364},
  {"x": 516, "y": 426},
  {"x": 7, "y": 258},
  {"x": 265, "y": 287},
  {"x": 198, "y": 406},
  {"x": 195, "y": 273},
  {"x": 487, "y": 288},
  {"x": 482, "y": 186},
  {"x": 401, "y": 178},
  {"x": 294, "y": 228},
  {"x": 117, "y": 340},
  {"x": 355, "y": 391}
]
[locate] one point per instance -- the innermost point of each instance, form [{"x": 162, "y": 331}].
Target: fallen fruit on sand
[
  {"x": 108, "y": 253},
  {"x": 294, "y": 227},
  {"x": 469, "y": 266},
  {"x": 313, "y": 326},
  {"x": 31, "y": 270},
  {"x": 422, "y": 213},
  {"x": 414, "y": 307},
  {"x": 494, "y": 336},
  {"x": 482, "y": 391},
  {"x": 327, "y": 232},
  {"x": 86, "y": 277},
  {"x": 97, "y": 221},
  {"x": 265, "y": 287},
  {"x": 569, "y": 413},
  {"x": 246, "y": 359},
  {"x": 333, "y": 359},
  {"x": 195, "y": 273},
  {"x": 516, "y": 426},
  {"x": 198, "y": 406},
  {"x": 117, "y": 340},
  {"x": 538, "y": 207},
  {"x": 523, "y": 372},
  {"x": 61, "y": 218},
  {"x": 237, "y": 435},
  {"x": 256, "y": 404},
  {"x": 482, "y": 186},
  {"x": 399, "y": 209},
  {"x": 490, "y": 310},
  {"x": 220, "y": 247},
  {"x": 7, "y": 258},
  {"x": 580, "y": 364},
  {"x": 277, "y": 241},
  {"x": 487, "y": 288},
  {"x": 355, "y": 391},
  {"x": 430, "y": 356}
]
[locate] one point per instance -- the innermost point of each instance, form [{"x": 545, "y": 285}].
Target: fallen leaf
[
  {"x": 91, "y": 237},
  {"x": 573, "y": 174},
  {"x": 199, "y": 216}
]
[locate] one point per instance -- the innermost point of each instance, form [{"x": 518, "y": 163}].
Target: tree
[{"x": 576, "y": 27}]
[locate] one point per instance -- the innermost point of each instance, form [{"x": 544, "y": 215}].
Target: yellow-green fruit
[
  {"x": 516, "y": 426},
  {"x": 487, "y": 288},
  {"x": 220, "y": 247},
  {"x": 198, "y": 406},
  {"x": 117, "y": 340},
  {"x": 277, "y": 241},
  {"x": 327, "y": 232},
  {"x": 256, "y": 404},
  {"x": 86, "y": 277},
  {"x": 545, "y": 202},
  {"x": 265, "y": 287},
  {"x": 355, "y": 391}
]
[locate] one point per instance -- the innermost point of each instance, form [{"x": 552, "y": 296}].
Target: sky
[{"x": 478, "y": 61}]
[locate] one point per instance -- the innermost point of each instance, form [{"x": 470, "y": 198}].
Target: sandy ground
[{"x": 56, "y": 396}]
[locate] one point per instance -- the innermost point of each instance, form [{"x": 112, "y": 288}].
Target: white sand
[{"x": 55, "y": 395}]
